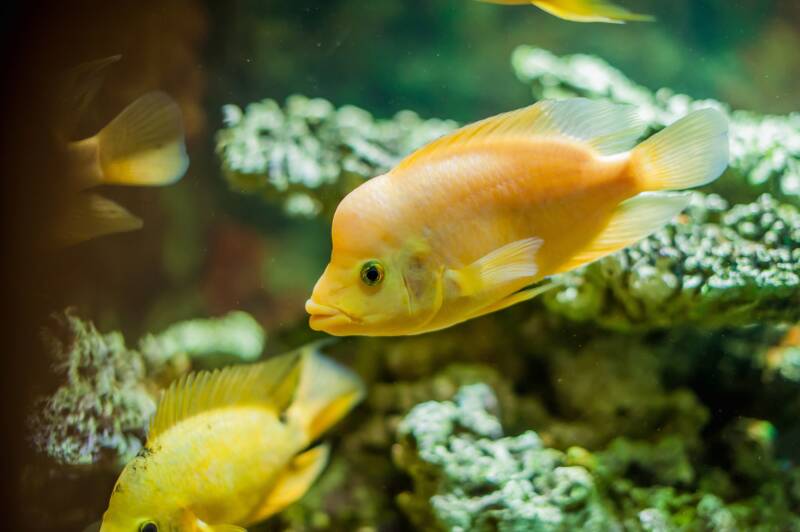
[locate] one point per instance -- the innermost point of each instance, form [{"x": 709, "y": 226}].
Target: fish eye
[
  {"x": 148, "y": 526},
  {"x": 372, "y": 273}
]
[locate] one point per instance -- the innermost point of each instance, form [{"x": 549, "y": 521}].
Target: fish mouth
[{"x": 323, "y": 317}]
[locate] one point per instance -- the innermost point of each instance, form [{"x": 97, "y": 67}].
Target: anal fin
[
  {"x": 633, "y": 220},
  {"x": 293, "y": 482},
  {"x": 513, "y": 299}
]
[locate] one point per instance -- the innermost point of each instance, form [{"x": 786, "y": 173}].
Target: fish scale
[{"x": 513, "y": 194}]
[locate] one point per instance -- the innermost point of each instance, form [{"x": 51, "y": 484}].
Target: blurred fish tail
[
  {"x": 84, "y": 164},
  {"x": 506, "y": 2},
  {"x": 144, "y": 145},
  {"x": 589, "y": 11}
]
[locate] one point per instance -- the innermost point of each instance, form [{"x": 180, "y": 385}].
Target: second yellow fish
[
  {"x": 581, "y": 10},
  {"x": 467, "y": 224},
  {"x": 230, "y": 448}
]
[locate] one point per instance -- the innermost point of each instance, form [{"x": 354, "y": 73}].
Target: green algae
[
  {"x": 237, "y": 334},
  {"x": 473, "y": 478},
  {"x": 308, "y": 154},
  {"x": 469, "y": 476},
  {"x": 103, "y": 407}
]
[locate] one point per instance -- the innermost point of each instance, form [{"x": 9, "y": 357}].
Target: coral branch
[
  {"x": 309, "y": 154},
  {"x": 100, "y": 413},
  {"x": 468, "y": 476},
  {"x": 714, "y": 266}
]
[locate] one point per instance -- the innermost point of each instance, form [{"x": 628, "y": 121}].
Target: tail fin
[
  {"x": 689, "y": 153},
  {"x": 325, "y": 394},
  {"x": 144, "y": 144}
]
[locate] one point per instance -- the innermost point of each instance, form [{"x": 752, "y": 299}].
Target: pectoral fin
[
  {"x": 294, "y": 482},
  {"x": 504, "y": 265},
  {"x": 88, "y": 216}
]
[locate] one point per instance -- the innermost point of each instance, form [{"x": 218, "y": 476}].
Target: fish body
[
  {"x": 466, "y": 225},
  {"x": 143, "y": 146},
  {"x": 183, "y": 464},
  {"x": 228, "y": 449},
  {"x": 581, "y": 10}
]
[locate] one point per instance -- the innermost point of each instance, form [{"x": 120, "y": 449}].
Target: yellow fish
[
  {"x": 142, "y": 146},
  {"x": 227, "y": 449},
  {"x": 465, "y": 225},
  {"x": 581, "y": 10}
]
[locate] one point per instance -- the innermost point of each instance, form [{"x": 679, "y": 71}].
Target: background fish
[
  {"x": 142, "y": 146},
  {"x": 228, "y": 449},
  {"x": 581, "y": 10},
  {"x": 464, "y": 226}
]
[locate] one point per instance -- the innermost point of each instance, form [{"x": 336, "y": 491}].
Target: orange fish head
[
  {"x": 358, "y": 296},
  {"x": 381, "y": 280},
  {"x": 384, "y": 294}
]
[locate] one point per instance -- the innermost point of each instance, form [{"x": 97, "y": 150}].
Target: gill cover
[{"x": 422, "y": 279}]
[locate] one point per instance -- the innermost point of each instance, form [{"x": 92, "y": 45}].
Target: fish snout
[
  {"x": 325, "y": 318},
  {"x": 316, "y": 309}
]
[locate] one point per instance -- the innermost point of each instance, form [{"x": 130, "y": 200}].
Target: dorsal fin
[
  {"x": 607, "y": 127},
  {"x": 77, "y": 88},
  {"x": 272, "y": 383}
]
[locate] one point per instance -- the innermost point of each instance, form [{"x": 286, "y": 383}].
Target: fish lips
[{"x": 325, "y": 318}]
